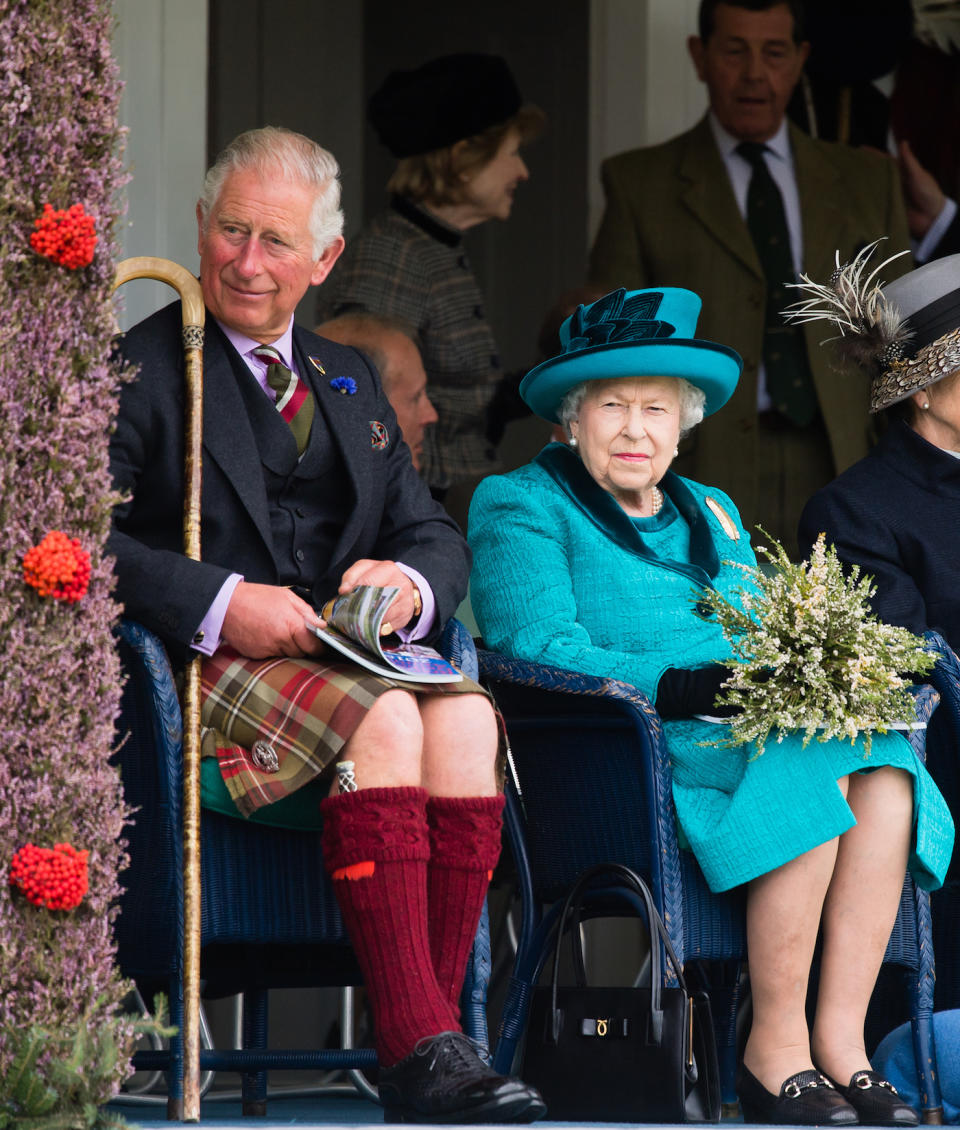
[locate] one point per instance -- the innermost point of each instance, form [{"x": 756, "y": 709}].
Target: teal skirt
[{"x": 742, "y": 817}]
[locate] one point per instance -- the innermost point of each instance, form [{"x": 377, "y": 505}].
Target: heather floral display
[
  {"x": 809, "y": 655},
  {"x": 60, "y": 681}
]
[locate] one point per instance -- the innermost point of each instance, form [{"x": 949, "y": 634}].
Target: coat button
[
  {"x": 265, "y": 756},
  {"x": 299, "y": 555},
  {"x": 300, "y": 512}
]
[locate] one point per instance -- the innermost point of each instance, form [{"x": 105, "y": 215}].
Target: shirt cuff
[
  {"x": 428, "y": 614},
  {"x": 206, "y": 639},
  {"x": 928, "y": 245}
]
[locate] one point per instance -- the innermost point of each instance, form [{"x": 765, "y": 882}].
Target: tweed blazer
[
  {"x": 390, "y": 514},
  {"x": 671, "y": 219},
  {"x": 407, "y": 264}
]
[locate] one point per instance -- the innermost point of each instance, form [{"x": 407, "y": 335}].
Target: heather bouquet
[
  {"x": 64, "y": 1050},
  {"x": 809, "y": 655}
]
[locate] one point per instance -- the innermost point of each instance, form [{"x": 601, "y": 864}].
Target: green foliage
[
  {"x": 57, "y": 1080},
  {"x": 809, "y": 655}
]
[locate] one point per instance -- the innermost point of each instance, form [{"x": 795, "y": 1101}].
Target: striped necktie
[
  {"x": 294, "y": 398},
  {"x": 784, "y": 347}
]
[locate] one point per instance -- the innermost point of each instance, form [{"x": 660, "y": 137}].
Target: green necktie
[
  {"x": 784, "y": 347},
  {"x": 294, "y": 399}
]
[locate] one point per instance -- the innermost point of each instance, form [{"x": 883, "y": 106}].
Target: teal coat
[{"x": 562, "y": 575}]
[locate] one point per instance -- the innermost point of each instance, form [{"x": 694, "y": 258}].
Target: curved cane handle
[{"x": 165, "y": 270}]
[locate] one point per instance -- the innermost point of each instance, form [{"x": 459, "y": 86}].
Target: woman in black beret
[{"x": 456, "y": 125}]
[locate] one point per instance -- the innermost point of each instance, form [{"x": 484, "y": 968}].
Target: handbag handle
[{"x": 570, "y": 918}]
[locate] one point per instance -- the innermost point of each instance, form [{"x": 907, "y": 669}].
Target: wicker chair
[
  {"x": 591, "y": 784},
  {"x": 269, "y": 915},
  {"x": 943, "y": 761}
]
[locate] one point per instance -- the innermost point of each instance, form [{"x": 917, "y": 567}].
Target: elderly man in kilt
[{"x": 308, "y": 490}]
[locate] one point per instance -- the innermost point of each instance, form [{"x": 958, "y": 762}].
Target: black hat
[{"x": 441, "y": 102}]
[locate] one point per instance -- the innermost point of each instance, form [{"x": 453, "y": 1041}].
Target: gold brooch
[{"x": 729, "y": 528}]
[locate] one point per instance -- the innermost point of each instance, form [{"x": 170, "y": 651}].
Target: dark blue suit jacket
[{"x": 390, "y": 513}]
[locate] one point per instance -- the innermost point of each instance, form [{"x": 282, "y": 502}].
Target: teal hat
[{"x": 633, "y": 333}]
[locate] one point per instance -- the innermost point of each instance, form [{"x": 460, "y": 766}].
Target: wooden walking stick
[{"x": 187, "y": 1108}]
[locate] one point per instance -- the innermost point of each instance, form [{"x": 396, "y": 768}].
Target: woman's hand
[{"x": 406, "y": 605}]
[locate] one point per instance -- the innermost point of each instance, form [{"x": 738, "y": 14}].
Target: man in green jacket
[{"x": 736, "y": 223}]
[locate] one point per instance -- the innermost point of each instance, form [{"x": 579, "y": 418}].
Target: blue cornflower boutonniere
[{"x": 346, "y": 386}]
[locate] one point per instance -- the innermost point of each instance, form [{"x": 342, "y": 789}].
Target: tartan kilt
[{"x": 276, "y": 724}]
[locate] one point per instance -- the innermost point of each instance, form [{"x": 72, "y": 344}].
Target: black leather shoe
[
  {"x": 806, "y": 1099},
  {"x": 876, "y": 1101},
  {"x": 445, "y": 1080}
]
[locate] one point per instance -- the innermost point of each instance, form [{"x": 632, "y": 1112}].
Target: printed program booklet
[{"x": 353, "y": 628}]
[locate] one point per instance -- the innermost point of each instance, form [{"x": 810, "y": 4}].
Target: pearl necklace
[{"x": 657, "y": 501}]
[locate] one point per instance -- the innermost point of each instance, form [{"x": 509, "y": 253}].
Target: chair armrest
[
  {"x": 457, "y": 646},
  {"x": 946, "y": 675},
  {"x": 526, "y": 673},
  {"x": 154, "y": 677}
]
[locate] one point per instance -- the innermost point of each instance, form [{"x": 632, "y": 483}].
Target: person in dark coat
[
  {"x": 309, "y": 490},
  {"x": 896, "y": 513}
]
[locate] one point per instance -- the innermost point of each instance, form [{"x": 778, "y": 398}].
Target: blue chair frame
[
  {"x": 943, "y": 760},
  {"x": 568, "y": 810},
  {"x": 269, "y": 915}
]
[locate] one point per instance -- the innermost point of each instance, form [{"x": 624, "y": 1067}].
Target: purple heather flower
[{"x": 60, "y": 691}]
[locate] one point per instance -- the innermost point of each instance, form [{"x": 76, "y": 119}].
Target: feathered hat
[
  {"x": 905, "y": 334},
  {"x": 633, "y": 333}
]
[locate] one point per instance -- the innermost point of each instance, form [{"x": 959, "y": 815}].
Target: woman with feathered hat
[
  {"x": 896, "y": 513},
  {"x": 587, "y": 559}
]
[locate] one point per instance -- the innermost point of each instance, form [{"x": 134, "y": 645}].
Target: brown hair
[{"x": 437, "y": 177}]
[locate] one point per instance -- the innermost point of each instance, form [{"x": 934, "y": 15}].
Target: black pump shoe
[
  {"x": 445, "y": 1080},
  {"x": 806, "y": 1099},
  {"x": 876, "y": 1101}
]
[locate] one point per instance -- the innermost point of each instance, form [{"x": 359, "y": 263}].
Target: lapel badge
[
  {"x": 724, "y": 519},
  {"x": 379, "y": 436},
  {"x": 346, "y": 386},
  {"x": 316, "y": 364}
]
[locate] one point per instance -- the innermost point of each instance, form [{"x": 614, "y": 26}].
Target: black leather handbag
[{"x": 638, "y": 1054}]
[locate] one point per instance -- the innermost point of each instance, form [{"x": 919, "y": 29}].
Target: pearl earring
[
  {"x": 573, "y": 441},
  {"x": 925, "y": 405},
  {"x": 676, "y": 451}
]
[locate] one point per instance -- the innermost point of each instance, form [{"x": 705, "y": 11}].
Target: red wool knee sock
[
  {"x": 464, "y": 849},
  {"x": 375, "y": 847}
]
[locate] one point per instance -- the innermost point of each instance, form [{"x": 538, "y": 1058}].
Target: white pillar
[{"x": 161, "y": 49}]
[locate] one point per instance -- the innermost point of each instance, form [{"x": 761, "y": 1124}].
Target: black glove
[{"x": 682, "y": 692}]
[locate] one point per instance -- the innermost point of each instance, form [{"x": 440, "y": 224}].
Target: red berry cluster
[
  {"x": 65, "y": 235},
  {"x": 56, "y": 877},
  {"x": 58, "y": 567}
]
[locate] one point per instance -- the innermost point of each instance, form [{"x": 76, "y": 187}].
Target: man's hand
[
  {"x": 406, "y": 604},
  {"x": 923, "y": 197},
  {"x": 267, "y": 620}
]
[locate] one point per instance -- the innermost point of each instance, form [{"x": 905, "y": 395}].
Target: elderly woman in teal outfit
[{"x": 589, "y": 558}]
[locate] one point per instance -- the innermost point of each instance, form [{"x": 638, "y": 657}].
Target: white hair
[
  {"x": 281, "y": 154},
  {"x": 692, "y": 401}
]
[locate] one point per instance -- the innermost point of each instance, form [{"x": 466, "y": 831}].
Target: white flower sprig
[{"x": 809, "y": 655}]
